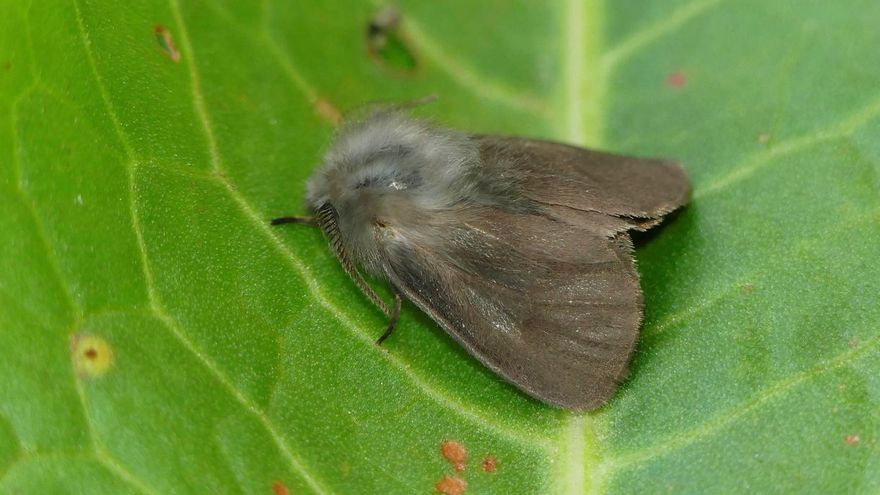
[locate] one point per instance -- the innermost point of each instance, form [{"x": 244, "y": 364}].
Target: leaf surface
[{"x": 160, "y": 337}]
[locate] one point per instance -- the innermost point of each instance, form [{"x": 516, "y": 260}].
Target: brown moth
[{"x": 518, "y": 248}]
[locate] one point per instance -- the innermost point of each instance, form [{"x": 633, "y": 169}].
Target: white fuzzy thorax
[{"x": 392, "y": 170}]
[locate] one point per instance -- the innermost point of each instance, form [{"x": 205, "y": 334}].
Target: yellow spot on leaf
[{"x": 92, "y": 356}]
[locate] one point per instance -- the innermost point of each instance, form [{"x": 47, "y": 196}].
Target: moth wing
[
  {"x": 552, "y": 307},
  {"x": 573, "y": 181}
]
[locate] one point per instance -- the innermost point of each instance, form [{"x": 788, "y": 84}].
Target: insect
[{"x": 518, "y": 248}]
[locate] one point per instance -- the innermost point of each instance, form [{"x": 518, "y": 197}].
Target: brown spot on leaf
[
  {"x": 166, "y": 43},
  {"x": 853, "y": 342},
  {"x": 279, "y": 488},
  {"x": 7, "y": 66},
  {"x": 677, "y": 79},
  {"x": 490, "y": 464},
  {"x": 852, "y": 439},
  {"x": 748, "y": 288},
  {"x": 763, "y": 138},
  {"x": 327, "y": 111},
  {"x": 455, "y": 453},
  {"x": 450, "y": 485},
  {"x": 91, "y": 355}
]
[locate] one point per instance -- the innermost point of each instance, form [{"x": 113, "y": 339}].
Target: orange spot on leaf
[
  {"x": 279, "y": 488},
  {"x": 677, "y": 79},
  {"x": 450, "y": 485},
  {"x": 455, "y": 453},
  {"x": 490, "y": 464},
  {"x": 852, "y": 440}
]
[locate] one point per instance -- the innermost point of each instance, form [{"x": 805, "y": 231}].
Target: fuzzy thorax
[{"x": 388, "y": 172}]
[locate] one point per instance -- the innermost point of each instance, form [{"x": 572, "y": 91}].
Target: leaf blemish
[
  {"x": 166, "y": 43},
  {"x": 455, "y": 453},
  {"x": 677, "y": 79},
  {"x": 490, "y": 464},
  {"x": 387, "y": 44},
  {"x": 92, "y": 356},
  {"x": 279, "y": 488},
  {"x": 852, "y": 440},
  {"x": 451, "y": 485},
  {"x": 327, "y": 111}
]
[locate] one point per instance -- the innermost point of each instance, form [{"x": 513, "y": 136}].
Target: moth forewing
[{"x": 559, "y": 324}]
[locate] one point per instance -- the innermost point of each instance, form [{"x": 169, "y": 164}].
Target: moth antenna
[{"x": 327, "y": 221}]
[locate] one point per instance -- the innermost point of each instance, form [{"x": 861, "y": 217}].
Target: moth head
[
  {"x": 388, "y": 168},
  {"x": 387, "y": 155}
]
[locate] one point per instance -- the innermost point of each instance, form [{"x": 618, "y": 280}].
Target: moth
[{"x": 519, "y": 248}]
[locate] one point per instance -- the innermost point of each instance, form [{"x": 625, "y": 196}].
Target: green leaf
[{"x": 159, "y": 337}]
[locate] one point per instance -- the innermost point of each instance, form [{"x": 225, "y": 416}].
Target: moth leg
[
  {"x": 300, "y": 220},
  {"x": 395, "y": 315}
]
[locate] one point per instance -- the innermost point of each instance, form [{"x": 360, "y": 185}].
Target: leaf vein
[
  {"x": 757, "y": 162},
  {"x": 468, "y": 78},
  {"x": 155, "y": 303},
  {"x": 751, "y": 277},
  {"x": 120, "y": 471},
  {"x": 30, "y": 205},
  {"x": 715, "y": 425},
  {"x": 265, "y": 38},
  {"x": 100, "y": 453},
  {"x": 583, "y": 105},
  {"x": 645, "y": 37}
]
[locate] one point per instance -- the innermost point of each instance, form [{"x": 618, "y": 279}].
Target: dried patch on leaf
[
  {"x": 92, "y": 355},
  {"x": 166, "y": 42},
  {"x": 450, "y": 485},
  {"x": 279, "y": 488},
  {"x": 327, "y": 111},
  {"x": 853, "y": 342},
  {"x": 852, "y": 440},
  {"x": 677, "y": 79},
  {"x": 763, "y": 138},
  {"x": 748, "y": 288},
  {"x": 490, "y": 464},
  {"x": 455, "y": 453}
]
